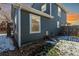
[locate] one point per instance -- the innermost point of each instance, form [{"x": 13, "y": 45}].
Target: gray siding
[
  {"x": 39, "y": 5},
  {"x": 64, "y": 18},
  {"x": 52, "y": 24},
  {"x": 25, "y": 28},
  {"x": 54, "y": 13},
  {"x": 47, "y": 24}
]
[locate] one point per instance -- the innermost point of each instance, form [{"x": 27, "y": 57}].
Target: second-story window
[
  {"x": 59, "y": 11},
  {"x": 43, "y": 7}
]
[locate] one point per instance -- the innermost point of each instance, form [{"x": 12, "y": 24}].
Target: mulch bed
[{"x": 30, "y": 50}]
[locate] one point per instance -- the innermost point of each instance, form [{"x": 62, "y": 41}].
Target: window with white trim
[
  {"x": 43, "y": 7},
  {"x": 58, "y": 24},
  {"x": 59, "y": 11},
  {"x": 35, "y": 24}
]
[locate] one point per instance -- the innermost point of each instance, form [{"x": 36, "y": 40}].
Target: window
[
  {"x": 59, "y": 11},
  {"x": 43, "y": 8},
  {"x": 35, "y": 26},
  {"x": 58, "y": 24}
]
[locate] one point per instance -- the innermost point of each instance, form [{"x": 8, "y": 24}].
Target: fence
[{"x": 69, "y": 30}]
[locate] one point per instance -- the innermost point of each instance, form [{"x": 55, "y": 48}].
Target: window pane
[{"x": 35, "y": 23}]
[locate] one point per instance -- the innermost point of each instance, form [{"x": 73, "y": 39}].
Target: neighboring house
[{"x": 32, "y": 23}]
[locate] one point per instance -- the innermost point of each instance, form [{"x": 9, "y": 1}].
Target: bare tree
[{"x": 7, "y": 21}]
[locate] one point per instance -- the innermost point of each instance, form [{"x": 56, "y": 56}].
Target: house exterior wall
[
  {"x": 47, "y": 24},
  {"x": 54, "y": 12},
  {"x": 63, "y": 18},
  {"x": 26, "y": 36},
  {"x": 38, "y": 7}
]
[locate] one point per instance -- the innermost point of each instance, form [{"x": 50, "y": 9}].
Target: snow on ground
[
  {"x": 3, "y": 34},
  {"x": 69, "y": 38},
  {"x": 68, "y": 46},
  {"x": 6, "y": 43}
]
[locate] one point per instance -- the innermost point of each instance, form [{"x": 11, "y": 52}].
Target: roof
[{"x": 32, "y": 10}]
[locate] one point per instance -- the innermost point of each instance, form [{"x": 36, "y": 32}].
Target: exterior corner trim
[{"x": 19, "y": 27}]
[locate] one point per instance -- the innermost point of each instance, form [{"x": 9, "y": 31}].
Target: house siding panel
[
  {"x": 52, "y": 24},
  {"x": 26, "y": 36},
  {"x": 47, "y": 24}
]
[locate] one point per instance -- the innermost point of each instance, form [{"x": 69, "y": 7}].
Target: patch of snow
[
  {"x": 50, "y": 42},
  {"x": 68, "y": 47},
  {"x": 69, "y": 38},
  {"x": 3, "y": 34},
  {"x": 6, "y": 43}
]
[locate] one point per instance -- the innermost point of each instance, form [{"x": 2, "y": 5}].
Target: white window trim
[
  {"x": 58, "y": 24},
  {"x": 59, "y": 11},
  {"x": 43, "y": 6},
  {"x": 19, "y": 26},
  {"x": 50, "y": 9},
  {"x": 31, "y": 25}
]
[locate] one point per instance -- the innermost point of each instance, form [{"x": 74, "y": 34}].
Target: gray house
[
  {"x": 32, "y": 23},
  {"x": 56, "y": 10}
]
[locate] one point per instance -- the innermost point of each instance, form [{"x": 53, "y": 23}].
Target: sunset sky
[{"x": 73, "y": 16}]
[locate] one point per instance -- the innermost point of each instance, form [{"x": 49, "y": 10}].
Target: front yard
[{"x": 65, "y": 46}]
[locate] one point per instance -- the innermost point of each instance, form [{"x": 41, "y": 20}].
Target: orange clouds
[{"x": 72, "y": 18}]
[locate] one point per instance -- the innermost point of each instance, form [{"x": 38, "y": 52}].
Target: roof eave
[{"x": 32, "y": 10}]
